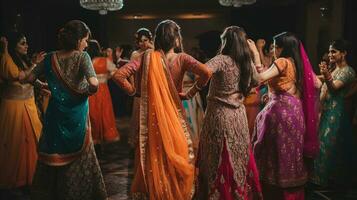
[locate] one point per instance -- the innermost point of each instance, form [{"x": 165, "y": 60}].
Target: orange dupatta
[{"x": 165, "y": 148}]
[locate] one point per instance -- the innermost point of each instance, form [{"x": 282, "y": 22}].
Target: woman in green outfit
[{"x": 336, "y": 162}]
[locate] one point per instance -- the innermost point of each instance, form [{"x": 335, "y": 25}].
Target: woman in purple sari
[{"x": 285, "y": 130}]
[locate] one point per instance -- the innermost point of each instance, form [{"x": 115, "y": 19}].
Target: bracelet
[
  {"x": 328, "y": 77},
  {"x": 38, "y": 84}
]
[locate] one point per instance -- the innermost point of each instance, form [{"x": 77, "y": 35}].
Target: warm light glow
[
  {"x": 195, "y": 16},
  {"x": 138, "y": 16},
  {"x": 172, "y": 16}
]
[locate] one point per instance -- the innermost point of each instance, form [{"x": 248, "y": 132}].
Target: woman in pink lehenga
[{"x": 225, "y": 162}]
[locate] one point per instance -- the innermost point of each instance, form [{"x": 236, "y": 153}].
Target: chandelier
[
  {"x": 236, "y": 3},
  {"x": 103, "y": 6}
]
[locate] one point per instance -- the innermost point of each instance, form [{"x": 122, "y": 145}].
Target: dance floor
[{"x": 117, "y": 162}]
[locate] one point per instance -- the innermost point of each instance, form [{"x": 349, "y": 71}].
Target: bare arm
[
  {"x": 266, "y": 60},
  {"x": 37, "y": 69},
  {"x": 270, "y": 73},
  {"x": 333, "y": 85}
]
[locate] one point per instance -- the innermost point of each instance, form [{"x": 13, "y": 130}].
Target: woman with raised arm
[
  {"x": 101, "y": 112},
  {"x": 286, "y": 129},
  {"x": 164, "y": 155},
  {"x": 20, "y": 126},
  {"x": 226, "y": 166},
  {"x": 68, "y": 167},
  {"x": 335, "y": 165},
  {"x": 143, "y": 42}
]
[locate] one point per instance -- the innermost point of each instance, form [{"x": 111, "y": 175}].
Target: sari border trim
[
  {"x": 180, "y": 110},
  {"x": 64, "y": 159},
  {"x": 106, "y": 141},
  {"x": 59, "y": 75},
  {"x": 143, "y": 112},
  {"x": 139, "y": 196}
]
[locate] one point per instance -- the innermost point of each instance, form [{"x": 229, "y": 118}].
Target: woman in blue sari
[{"x": 68, "y": 167}]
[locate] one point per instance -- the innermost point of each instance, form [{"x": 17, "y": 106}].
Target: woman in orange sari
[
  {"x": 100, "y": 104},
  {"x": 164, "y": 154}
]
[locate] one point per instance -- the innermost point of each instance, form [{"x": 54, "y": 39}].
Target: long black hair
[
  {"x": 166, "y": 34},
  {"x": 14, "y": 38},
  {"x": 290, "y": 45},
  {"x": 235, "y": 45}
]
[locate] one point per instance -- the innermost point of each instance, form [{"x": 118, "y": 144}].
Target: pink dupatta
[{"x": 311, "y": 143}]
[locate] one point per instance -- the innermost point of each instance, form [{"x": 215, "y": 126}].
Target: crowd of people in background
[{"x": 269, "y": 125}]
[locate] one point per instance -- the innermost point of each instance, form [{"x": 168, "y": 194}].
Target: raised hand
[
  {"x": 38, "y": 57},
  {"x": 3, "y": 45},
  {"x": 323, "y": 68},
  {"x": 260, "y": 44},
  {"x": 150, "y": 45},
  {"x": 252, "y": 46}
]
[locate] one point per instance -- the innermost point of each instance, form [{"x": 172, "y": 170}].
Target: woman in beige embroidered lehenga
[{"x": 226, "y": 164}]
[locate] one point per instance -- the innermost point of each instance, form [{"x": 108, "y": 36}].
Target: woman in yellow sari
[
  {"x": 19, "y": 123},
  {"x": 164, "y": 155}
]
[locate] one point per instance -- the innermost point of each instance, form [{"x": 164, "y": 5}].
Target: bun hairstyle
[{"x": 71, "y": 33}]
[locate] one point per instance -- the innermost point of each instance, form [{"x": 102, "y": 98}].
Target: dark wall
[
  {"x": 350, "y": 31},
  {"x": 266, "y": 21},
  {"x": 40, "y": 20}
]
